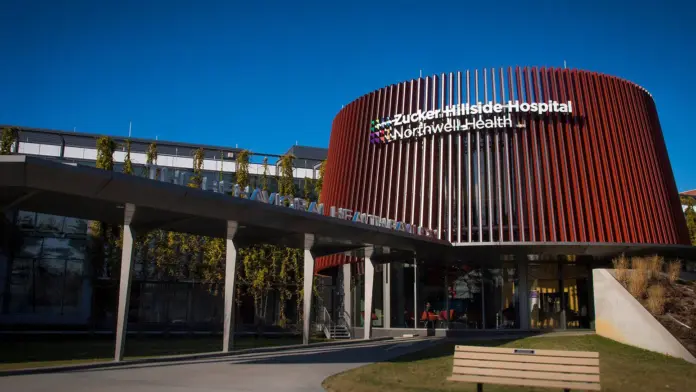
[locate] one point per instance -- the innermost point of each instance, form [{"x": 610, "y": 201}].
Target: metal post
[
  {"x": 125, "y": 281},
  {"x": 230, "y": 274},
  {"x": 347, "y": 297},
  {"x": 386, "y": 295},
  {"x": 369, "y": 286},
  {"x": 415, "y": 293},
  {"x": 398, "y": 281},
  {"x": 308, "y": 281}
]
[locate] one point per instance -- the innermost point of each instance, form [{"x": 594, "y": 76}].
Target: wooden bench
[{"x": 578, "y": 370}]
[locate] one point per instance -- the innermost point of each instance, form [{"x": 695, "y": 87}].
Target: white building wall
[{"x": 163, "y": 160}]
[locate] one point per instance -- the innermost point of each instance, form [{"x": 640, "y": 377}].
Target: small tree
[
  {"x": 9, "y": 137},
  {"x": 690, "y": 216},
  {"x": 307, "y": 190},
  {"x": 197, "y": 179},
  {"x": 127, "y": 164},
  {"x": 286, "y": 184},
  {"x": 319, "y": 183},
  {"x": 105, "y": 153},
  {"x": 213, "y": 266},
  {"x": 264, "y": 176},
  {"x": 150, "y": 160},
  {"x": 243, "y": 169}
]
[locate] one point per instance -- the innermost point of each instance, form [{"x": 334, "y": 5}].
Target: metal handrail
[{"x": 326, "y": 316}]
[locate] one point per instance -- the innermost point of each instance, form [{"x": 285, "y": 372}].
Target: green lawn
[
  {"x": 623, "y": 368},
  {"x": 24, "y": 352}
]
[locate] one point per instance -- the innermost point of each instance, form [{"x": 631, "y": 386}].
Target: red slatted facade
[{"x": 601, "y": 176}]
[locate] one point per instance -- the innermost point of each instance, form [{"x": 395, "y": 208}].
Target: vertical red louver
[{"x": 600, "y": 176}]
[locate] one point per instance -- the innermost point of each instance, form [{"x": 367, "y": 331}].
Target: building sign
[
  {"x": 457, "y": 118},
  {"x": 313, "y": 207}
]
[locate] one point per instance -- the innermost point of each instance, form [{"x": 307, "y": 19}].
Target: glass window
[
  {"x": 500, "y": 297},
  {"x": 75, "y": 226},
  {"x": 576, "y": 295},
  {"x": 465, "y": 296},
  {"x": 49, "y": 223},
  {"x": 377, "y": 297},
  {"x": 56, "y": 248},
  {"x": 177, "y": 302},
  {"x": 21, "y": 286},
  {"x": 49, "y": 286},
  {"x": 26, "y": 220},
  {"x": 433, "y": 303},
  {"x": 73, "y": 286},
  {"x": 401, "y": 285},
  {"x": 544, "y": 296},
  {"x": 31, "y": 247}
]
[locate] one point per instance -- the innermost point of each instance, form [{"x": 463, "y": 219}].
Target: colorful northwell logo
[
  {"x": 380, "y": 130},
  {"x": 464, "y": 117}
]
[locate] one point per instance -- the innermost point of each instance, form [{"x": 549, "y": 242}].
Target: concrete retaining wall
[{"x": 620, "y": 317}]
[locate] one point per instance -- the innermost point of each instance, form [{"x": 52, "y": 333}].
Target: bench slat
[
  {"x": 548, "y": 353},
  {"x": 527, "y": 358},
  {"x": 525, "y": 374},
  {"x": 528, "y": 366},
  {"x": 526, "y": 382}
]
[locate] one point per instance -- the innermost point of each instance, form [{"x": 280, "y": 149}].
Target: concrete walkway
[{"x": 283, "y": 370}]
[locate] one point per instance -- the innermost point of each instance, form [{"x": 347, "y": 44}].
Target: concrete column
[
  {"x": 386, "y": 295},
  {"x": 125, "y": 282},
  {"x": 524, "y": 293},
  {"x": 230, "y": 274},
  {"x": 369, "y": 289},
  {"x": 397, "y": 279},
  {"x": 308, "y": 279},
  {"x": 347, "y": 297}
]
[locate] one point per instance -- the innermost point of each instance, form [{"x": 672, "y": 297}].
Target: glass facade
[
  {"x": 470, "y": 297},
  {"x": 47, "y": 275}
]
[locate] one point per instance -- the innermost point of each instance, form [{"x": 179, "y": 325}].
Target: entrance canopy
[{"x": 53, "y": 187}]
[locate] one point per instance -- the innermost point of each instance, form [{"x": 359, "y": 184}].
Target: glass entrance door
[
  {"x": 576, "y": 295},
  {"x": 544, "y": 296}
]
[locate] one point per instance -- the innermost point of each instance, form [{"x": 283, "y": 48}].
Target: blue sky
[{"x": 265, "y": 74}]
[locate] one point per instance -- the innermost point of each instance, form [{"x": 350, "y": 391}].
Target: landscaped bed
[
  {"x": 657, "y": 286},
  {"x": 623, "y": 368}
]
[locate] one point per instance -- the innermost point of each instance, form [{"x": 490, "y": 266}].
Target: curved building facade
[{"x": 519, "y": 156}]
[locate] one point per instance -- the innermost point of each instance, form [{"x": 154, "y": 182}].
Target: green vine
[
  {"x": 243, "y": 169},
  {"x": 307, "y": 190},
  {"x": 105, "y": 153},
  {"x": 319, "y": 183},
  {"x": 264, "y": 176},
  {"x": 286, "y": 184},
  {"x": 197, "y": 179},
  {"x": 127, "y": 164},
  {"x": 8, "y": 139}
]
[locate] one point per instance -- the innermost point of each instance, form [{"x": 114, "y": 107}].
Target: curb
[{"x": 174, "y": 358}]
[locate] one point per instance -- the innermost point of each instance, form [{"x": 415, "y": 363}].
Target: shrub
[
  {"x": 638, "y": 279},
  {"x": 621, "y": 266},
  {"x": 655, "y": 264},
  {"x": 674, "y": 270},
  {"x": 656, "y": 299}
]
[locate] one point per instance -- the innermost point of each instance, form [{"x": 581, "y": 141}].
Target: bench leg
[
  {"x": 479, "y": 387},
  {"x": 566, "y": 390}
]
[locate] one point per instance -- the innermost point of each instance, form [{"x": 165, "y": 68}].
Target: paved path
[{"x": 290, "y": 370}]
